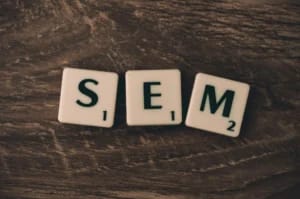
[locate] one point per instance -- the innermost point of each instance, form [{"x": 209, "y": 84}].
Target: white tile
[
  {"x": 88, "y": 97},
  {"x": 153, "y": 97},
  {"x": 209, "y": 92}
]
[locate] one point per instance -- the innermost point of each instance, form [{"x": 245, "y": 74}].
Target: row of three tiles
[{"x": 153, "y": 97}]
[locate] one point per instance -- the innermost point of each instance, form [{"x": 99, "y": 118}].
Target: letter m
[{"x": 210, "y": 95}]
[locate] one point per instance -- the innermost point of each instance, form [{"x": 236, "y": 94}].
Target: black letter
[
  {"x": 83, "y": 89},
  {"x": 210, "y": 93},
  {"x": 148, "y": 95}
]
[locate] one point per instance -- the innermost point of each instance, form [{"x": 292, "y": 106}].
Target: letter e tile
[{"x": 153, "y": 97}]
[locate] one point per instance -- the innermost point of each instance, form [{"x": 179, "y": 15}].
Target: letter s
[{"x": 86, "y": 91}]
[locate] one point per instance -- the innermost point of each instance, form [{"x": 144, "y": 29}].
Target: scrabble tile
[
  {"x": 88, "y": 97},
  {"x": 153, "y": 97},
  {"x": 217, "y": 105}
]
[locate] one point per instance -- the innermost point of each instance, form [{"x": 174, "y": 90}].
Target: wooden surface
[{"x": 256, "y": 42}]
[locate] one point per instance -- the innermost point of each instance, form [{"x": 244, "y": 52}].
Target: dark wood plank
[{"x": 251, "y": 41}]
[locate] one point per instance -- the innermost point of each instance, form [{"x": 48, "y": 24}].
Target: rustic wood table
[{"x": 257, "y": 42}]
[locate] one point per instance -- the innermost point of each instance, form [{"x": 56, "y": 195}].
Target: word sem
[{"x": 153, "y": 97}]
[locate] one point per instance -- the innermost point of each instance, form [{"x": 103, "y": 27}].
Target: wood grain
[{"x": 250, "y": 41}]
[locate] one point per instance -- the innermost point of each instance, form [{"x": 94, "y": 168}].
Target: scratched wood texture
[{"x": 257, "y": 42}]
